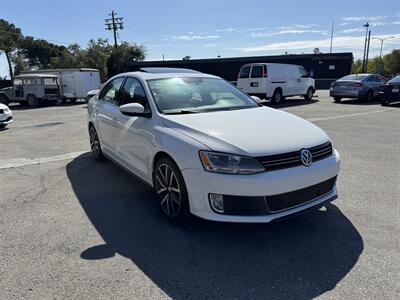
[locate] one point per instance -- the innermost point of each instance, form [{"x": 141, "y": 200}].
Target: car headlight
[
  {"x": 7, "y": 110},
  {"x": 229, "y": 163}
]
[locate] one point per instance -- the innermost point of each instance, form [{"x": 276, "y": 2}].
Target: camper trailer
[{"x": 74, "y": 83}]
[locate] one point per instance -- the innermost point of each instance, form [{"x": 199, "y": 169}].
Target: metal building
[{"x": 325, "y": 68}]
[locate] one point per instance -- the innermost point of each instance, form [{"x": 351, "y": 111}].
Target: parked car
[
  {"x": 6, "y": 116},
  {"x": 191, "y": 137},
  {"x": 74, "y": 83},
  {"x": 275, "y": 81},
  {"x": 357, "y": 86},
  {"x": 390, "y": 92},
  {"x": 32, "y": 90}
]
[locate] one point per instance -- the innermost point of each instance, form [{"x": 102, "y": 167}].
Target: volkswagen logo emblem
[{"x": 306, "y": 157}]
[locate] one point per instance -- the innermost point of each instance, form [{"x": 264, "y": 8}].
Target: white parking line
[
  {"x": 21, "y": 162},
  {"x": 348, "y": 115}
]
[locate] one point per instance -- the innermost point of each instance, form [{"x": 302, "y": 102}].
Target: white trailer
[{"x": 74, "y": 83}]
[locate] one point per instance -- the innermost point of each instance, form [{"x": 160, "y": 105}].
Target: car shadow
[
  {"x": 289, "y": 102},
  {"x": 357, "y": 102},
  {"x": 300, "y": 258}
]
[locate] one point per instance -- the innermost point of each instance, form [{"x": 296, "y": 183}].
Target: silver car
[{"x": 358, "y": 86}]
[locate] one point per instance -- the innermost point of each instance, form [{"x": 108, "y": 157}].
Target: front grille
[
  {"x": 292, "y": 159},
  {"x": 6, "y": 120},
  {"x": 258, "y": 206},
  {"x": 287, "y": 200},
  {"x": 244, "y": 206}
]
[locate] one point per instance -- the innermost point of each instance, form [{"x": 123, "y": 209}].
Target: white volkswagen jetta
[{"x": 210, "y": 150}]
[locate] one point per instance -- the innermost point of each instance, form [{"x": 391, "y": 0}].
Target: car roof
[
  {"x": 149, "y": 76},
  {"x": 35, "y": 75}
]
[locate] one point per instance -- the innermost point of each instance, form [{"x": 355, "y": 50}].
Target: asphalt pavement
[{"x": 72, "y": 228}]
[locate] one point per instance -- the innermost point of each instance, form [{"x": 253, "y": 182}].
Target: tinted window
[
  {"x": 257, "y": 72},
  {"x": 395, "y": 80},
  {"x": 373, "y": 78},
  {"x": 244, "y": 72},
  {"x": 110, "y": 91},
  {"x": 133, "y": 92}
]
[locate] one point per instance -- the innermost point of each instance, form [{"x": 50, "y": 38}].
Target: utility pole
[
  {"x": 114, "y": 24},
  {"x": 366, "y": 59},
  {"x": 333, "y": 26},
  {"x": 382, "y": 40},
  {"x": 365, "y": 47}
]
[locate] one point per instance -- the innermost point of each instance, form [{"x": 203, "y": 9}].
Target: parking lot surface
[{"x": 73, "y": 228}]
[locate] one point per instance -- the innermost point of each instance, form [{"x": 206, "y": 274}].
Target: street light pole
[
  {"x": 382, "y": 40},
  {"x": 365, "y": 46}
]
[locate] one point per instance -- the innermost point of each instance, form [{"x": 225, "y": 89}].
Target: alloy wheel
[
  {"x": 94, "y": 142},
  {"x": 168, "y": 190}
]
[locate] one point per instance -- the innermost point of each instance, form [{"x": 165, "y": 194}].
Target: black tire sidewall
[
  {"x": 184, "y": 212},
  {"x": 274, "y": 96},
  {"x": 34, "y": 99},
  {"x": 99, "y": 156}
]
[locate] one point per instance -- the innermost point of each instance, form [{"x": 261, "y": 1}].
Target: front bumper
[
  {"x": 6, "y": 118},
  {"x": 200, "y": 183}
]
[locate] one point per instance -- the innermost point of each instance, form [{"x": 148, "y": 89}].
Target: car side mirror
[
  {"x": 134, "y": 110},
  {"x": 255, "y": 98}
]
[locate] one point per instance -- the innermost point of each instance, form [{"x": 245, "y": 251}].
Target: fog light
[{"x": 217, "y": 202}]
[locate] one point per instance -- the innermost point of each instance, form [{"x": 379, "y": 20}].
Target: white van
[{"x": 275, "y": 81}]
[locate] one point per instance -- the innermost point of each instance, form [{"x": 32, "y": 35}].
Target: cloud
[
  {"x": 344, "y": 23},
  {"x": 227, "y": 30},
  {"x": 286, "y": 31},
  {"x": 210, "y": 45},
  {"x": 352, "y": 30},
  {"x": 191, "y": 37},
  {"x": 298, "y": 26},
  {"x": 346, "y": 42},
  {"x": 364, "y": 18}
]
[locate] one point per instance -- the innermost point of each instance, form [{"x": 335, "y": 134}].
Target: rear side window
[
  {"x": 395, "y": 80},
  {"x": 29, "y": 81},
  {"x": 111, "y": 91},
  {"x": 257, "y": 72},
  {"x": 244, "y": 72},
  {"x": 50, "y": 81}
]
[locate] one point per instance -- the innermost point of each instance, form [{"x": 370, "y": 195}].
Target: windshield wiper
[{"x": 182, "y": 112}]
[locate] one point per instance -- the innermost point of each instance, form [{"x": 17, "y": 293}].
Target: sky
[{"x": 207, "y": 29}]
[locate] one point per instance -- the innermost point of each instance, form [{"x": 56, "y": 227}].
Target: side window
[
  {"x": 244, "y": 72},
  {"x": 111, "y": 91},
  {"x": 133, "y": 92},
  {"x": 303, "y": 72},
  {"x": 29, "y": 81},
  {"x": 257, "y": 72}
]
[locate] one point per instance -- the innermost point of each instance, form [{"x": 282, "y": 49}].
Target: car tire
[
  {"x": 171, "y": 191},
  {"x": 2, "y": 126},
  {"x": 369, "y": 97},
  {"x": 32, "y": 101},
  {"x": 95, "y": 145},
  {"x": 277, "y": 96},
  {"x": 4, "y": 99},
  {"x": 337, "y": 99},
  {"x": 309, "y": 95},
  {"x": 73, "y": 101},
  {"x": 385, "y": 103}
]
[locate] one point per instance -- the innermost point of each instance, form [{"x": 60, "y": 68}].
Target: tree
[
  {"x": 356, "y": 67},
  {"x": 392, "y": 62},
  {"x": 96, "y": 56},
  {"x": 10, "y": 36},
  {"x": 122, "y": 58}
]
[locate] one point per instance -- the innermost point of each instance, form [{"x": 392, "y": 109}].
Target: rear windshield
[
  {"x": 395, "y": 80},
  {"x": 244, "y": 72},
  {"x": 257, "y": 72},
  {"x": 353, "y": 77}
]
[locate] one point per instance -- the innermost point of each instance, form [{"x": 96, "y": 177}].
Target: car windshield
[
  {"x": 195, "y": 94},
  {"x": 353, "y": 77},
  {"x": 395, "y": 80}
]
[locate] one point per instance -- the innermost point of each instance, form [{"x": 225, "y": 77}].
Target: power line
[{"x": 114, "y": 24}]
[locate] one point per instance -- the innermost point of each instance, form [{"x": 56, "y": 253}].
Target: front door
[{"x": 133, "y": 141}]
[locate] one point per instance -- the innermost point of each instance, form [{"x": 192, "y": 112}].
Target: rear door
[
  {"x": 68, "y": 85},
  {"x": 107, "y": 110},
  {"x": 257, "y": 81},
  {"x": 243, "y": 81}
]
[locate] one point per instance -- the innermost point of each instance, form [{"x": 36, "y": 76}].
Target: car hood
[{"x": 256, "y": 131}]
